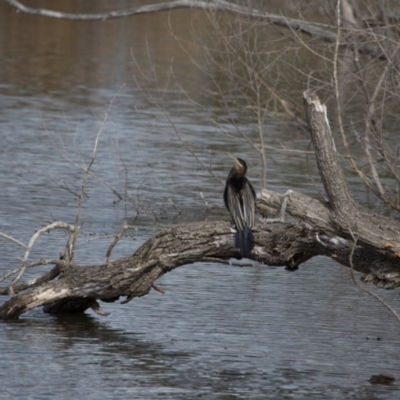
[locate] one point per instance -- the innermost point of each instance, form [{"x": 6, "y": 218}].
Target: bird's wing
[
  {"x": 249, "y": 205},
  {"x": 236, "y": 208}
]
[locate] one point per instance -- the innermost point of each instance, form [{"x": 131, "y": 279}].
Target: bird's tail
[{"x": 244, "y": 242}]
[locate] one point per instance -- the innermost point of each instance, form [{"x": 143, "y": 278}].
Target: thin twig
[
  {"x": 13, "y": 240},
  {"x": 45, "y": 229},
  {"x": 72, "y": 241},
  {"x": 337, "y": 97},
  {"x": 115, "y": 241}
]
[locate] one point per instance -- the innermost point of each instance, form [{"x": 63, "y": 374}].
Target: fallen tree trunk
[
  {"x": 340, "y": 229},
  {"x": 134, "y": 276},
  {"x": 290, "y": 244}
]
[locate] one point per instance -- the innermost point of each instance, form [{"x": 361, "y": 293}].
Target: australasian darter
[{"x": 240, "y": 200}]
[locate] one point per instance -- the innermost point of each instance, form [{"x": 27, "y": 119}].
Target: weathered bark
[
  {"x": 179, "y": 245},
  {"x": 340, "y": 229},
  {"x": 348, "y": 218},
  {"x": 288, "y": 244}
]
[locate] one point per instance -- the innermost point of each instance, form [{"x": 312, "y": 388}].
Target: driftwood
[{"x": 339, "y": 228}]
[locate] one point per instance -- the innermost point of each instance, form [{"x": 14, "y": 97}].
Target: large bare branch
[
  {"x": 327, "y": 157},
  {"x": 348, "y": 217},
  {"x": 134, "y": 276},
  {"x": 340, "y": 229},
  {"x": 287, "y": 245},
  {"x": 312, "y": 29}
]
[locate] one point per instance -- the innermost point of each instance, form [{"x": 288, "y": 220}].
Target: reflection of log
[{"x": 325, "y": 229}]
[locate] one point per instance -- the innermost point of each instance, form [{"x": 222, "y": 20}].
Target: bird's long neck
[
  {"x": 237, "y": 182},
  {"x": 237, "y": 171}
]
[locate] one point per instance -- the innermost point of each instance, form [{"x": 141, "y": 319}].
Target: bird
[{"x": 240, "y": 200}]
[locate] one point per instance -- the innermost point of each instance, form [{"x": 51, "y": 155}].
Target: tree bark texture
[
  {"x": 349, "y": 218},
  {"x": 340, "y": 229}
]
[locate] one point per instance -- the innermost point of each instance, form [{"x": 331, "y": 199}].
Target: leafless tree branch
[{"x": 311, "y": 29}]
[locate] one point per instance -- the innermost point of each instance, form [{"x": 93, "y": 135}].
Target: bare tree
[
  {"x": 376, "y": 253},
  {"x": 354, "y": 57}
]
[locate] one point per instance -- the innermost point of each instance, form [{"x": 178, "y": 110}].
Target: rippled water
[{"x": 219, "y": 332}]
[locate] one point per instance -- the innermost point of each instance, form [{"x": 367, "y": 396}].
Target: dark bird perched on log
[{"x": 240, "y": 200}]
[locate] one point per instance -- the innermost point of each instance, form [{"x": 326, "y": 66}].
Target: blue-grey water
[{"x": 219, "y": 332}]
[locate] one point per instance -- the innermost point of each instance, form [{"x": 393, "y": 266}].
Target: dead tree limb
[
  {"x": 340, "y": 229},
  {"x": 80, "y": 287},
  {"x": 134, "y": 276},
  {"x": 348, "y": 218},
  {"x": 312, "y": 29}
]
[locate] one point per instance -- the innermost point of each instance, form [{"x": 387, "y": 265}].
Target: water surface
[{"x": 220, "y": 332}]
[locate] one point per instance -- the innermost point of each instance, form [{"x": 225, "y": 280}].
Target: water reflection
[
  {"x": 210, "y": 353},
  {"x": 89, "y": 358}
]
